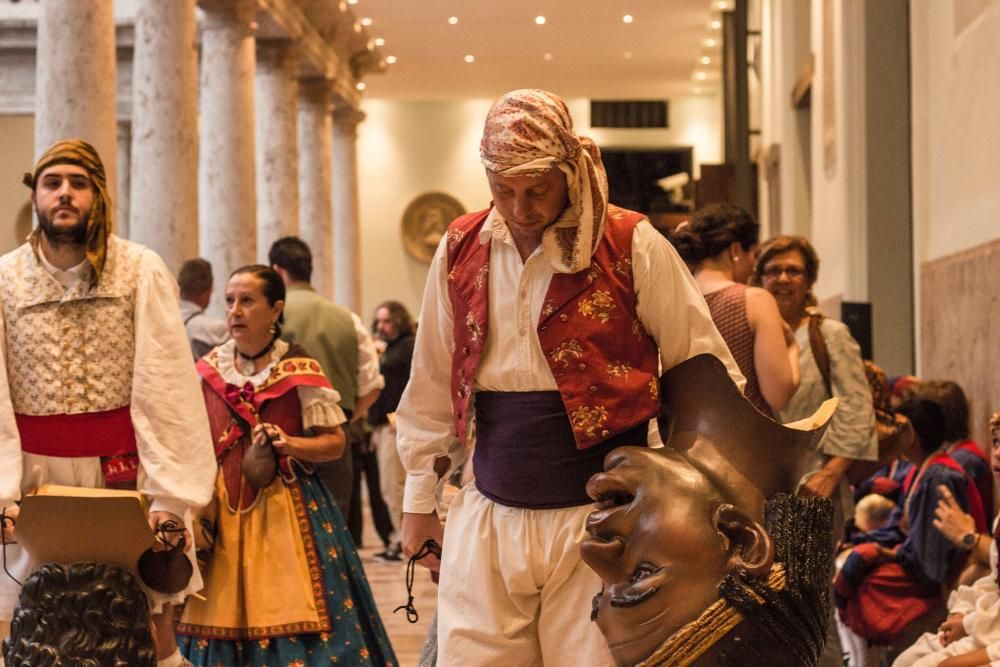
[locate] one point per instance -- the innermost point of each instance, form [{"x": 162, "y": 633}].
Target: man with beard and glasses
[
  {"x": 546, "y": 318},
  {"x": 97, "y": 379}
]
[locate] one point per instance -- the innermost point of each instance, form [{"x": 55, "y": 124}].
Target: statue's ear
[{"x": 749, "y": 546}]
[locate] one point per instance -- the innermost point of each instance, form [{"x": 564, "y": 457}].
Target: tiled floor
[{"x": 388, "y": 582}]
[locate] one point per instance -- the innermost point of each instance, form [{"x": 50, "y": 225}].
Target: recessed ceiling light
[
  {"x": 627, "y": 18},
  {"x": 710, "y": 42},
  {"x": 540, "y": 20},
  {"x": 700, "y": 76},
  {"x": 357, "y": 27},
  {"x": 705, "y": 60},
  {"x": 470, "y": 58},
  {"x": 391, "y": 60},
  {"x": 452, "y": 20},
  {"x": 352, "y": 2},
  {"x": 370, "y": 45},
  {"x": 715, "y": 24},
  {"x": 722, "y": 5},
  {"x": 366, "y": 21},
  {"x": 342, "y": 6},
  {"x": 547, "y": 56},
  {"x": 360, "y": 85},
  {"x": 379, "y": 41},
  {"x": 628, "y": 55}
]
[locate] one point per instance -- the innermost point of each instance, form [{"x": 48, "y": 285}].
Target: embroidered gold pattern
[
  {"x": 480, "y": 278},
  {"x": 454, "y": 237},
  {"x": 619, "y": 369},
  {"x": 548, "y": 308},
  {"x": 474, "y": 329},
  {"x": 600, "y": 306},
  {"x": 654, "y": 389},
  {"x": 588, "y": 419},
  {"x": 623, "y": 266},
  {"x": 593, "y": 273},
  {"x": 567, "y": 352}
]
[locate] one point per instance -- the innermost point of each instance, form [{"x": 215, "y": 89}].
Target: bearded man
[
  {"x": 546, "y": 317},
  {"x": 98, "y": 387}
]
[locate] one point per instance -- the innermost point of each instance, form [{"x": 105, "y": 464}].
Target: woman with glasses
[
  {"x": 787, "y": 267},
  {"x": 719, "y": 245}
]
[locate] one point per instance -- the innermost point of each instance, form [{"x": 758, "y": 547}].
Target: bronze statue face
[{"x": 661, "y": 542}]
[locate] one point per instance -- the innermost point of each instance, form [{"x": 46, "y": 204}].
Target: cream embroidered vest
[{"x": 69, "y": 351}]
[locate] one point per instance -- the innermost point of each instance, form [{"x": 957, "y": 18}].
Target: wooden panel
[{"x": 960, "y": 327}]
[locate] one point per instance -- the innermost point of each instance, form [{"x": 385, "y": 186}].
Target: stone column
[
  {"x": 75, "y": 78},
  {"x": 164, "y": 183},
  {"x": 276, "y": 90},
  {"x": 227, "y": 203},
  {"x": 316, "y": 179},
  {"x": 346, "y": 223},
  {"x": 124, "y": 177}
]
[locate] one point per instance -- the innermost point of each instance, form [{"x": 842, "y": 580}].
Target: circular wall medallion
[{"x": 426, "y": 220}]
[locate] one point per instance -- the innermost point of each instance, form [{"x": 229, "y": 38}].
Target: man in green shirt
[{"x": 335, "y": 337}]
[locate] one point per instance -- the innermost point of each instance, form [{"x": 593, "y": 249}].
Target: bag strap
[{"x": 820, "y": 353}]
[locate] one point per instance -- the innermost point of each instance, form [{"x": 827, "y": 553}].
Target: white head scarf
[{"x": 530, "y": 131}]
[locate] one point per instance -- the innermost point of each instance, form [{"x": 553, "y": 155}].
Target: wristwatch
[{"x": 969, "y": 541}]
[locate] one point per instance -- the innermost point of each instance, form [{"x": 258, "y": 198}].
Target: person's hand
[
  {"x": 949, "y": 518},
  {"x": 822, "y": 484},
  {"x": 10, "y": 518},
  {"x": 173, "y": 527},
  {"x": 417, "y": 529},
  {"x": 951, "y": 629},
  {"x": 273, "y": 433}
]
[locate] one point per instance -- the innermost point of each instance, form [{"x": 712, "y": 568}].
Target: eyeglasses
[{"x": 775, "y": 272}]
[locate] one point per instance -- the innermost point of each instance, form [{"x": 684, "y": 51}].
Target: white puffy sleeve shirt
[{"x": 669, "y": 305}]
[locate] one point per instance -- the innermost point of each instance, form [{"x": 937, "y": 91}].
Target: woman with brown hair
[{"x": 718, "y": 246}]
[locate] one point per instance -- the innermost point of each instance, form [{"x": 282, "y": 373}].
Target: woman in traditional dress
[
  {"x": 719, "y": 245},
  {"x": 283, "y": 582}
]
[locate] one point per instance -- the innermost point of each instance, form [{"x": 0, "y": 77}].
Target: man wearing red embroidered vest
[
  {"x": 97, "y": 385},
  {"x": 546, "y": 317}
]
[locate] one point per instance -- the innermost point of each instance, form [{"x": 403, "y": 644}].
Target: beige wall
[
  {"x": 17, "y": 137},
  {"x": 409, "y": 148}
]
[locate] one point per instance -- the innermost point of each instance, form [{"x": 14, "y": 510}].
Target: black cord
[
  {"x": 3, "y": 538},
  {"x": 429, "y": 548}
]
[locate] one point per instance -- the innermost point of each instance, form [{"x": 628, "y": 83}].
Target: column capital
[
  {"x": 277, "y": 53},
  {"x": 225, "y": 13},
  {"x": 347, "y": 117},
  {"x": 315, "y": 89}
]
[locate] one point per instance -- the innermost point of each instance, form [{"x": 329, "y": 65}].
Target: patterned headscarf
[
  {"x": 82, "y": 154},
  {"x": 530, "y": 131}
]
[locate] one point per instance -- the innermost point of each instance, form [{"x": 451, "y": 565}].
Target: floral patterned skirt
[{"x": 355, "y": 636}]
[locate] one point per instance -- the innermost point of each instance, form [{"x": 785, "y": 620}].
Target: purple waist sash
[{"x": 526, "y": 455}]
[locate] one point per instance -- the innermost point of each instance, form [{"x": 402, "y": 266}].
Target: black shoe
[{"x": 393, "y": 554}]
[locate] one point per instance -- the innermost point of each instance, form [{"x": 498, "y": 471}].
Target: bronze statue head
[{"x": 704, "y": 556}]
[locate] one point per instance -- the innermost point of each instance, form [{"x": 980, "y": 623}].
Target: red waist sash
[{"x": 107, "y": 433}]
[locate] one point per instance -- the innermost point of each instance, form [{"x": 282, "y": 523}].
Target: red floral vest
[{"x": 604, "y": 363}]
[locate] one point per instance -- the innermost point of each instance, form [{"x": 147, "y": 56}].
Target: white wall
[
  {"x": 408, "y": 148},
  {"x": 956, "y": 137}
]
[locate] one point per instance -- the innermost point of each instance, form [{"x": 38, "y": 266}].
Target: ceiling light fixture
[
  {"x": 391, "y": 60},
  {"x": 366, "y": 21},
  {"x": 342, "y": 6},
  {"x": 379, "y": 41},
  {"x": 701, "y": 76},
  {"x": 470, "y": 58},
  {"x": 627, "y": 18},
  {"x": 540, "y": 20},
  {"x": 722, "y": 5},
  {"x": 628, "y": 55},
  {"x": 452, "y": 20},
  {"x": 357, "y": 27},
  {"x": 710, "y": 42},
  {"x": 547, "y": 56},
  {"x": 705, "y": 60},
  {"x": 352, "y": 2},
  {"x": 360, "y": 85},
  {"x": 715, "y": 24}
]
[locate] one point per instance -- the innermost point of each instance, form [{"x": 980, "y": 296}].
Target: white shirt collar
[{"x": 68, "y": 277}]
